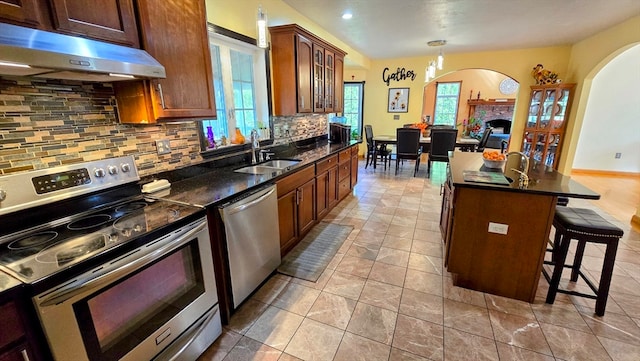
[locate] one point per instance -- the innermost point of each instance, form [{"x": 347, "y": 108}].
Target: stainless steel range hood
[{"x": 37, "y": 53}]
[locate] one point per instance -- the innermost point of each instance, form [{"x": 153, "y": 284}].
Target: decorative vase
[
  {"x": 239, "y": 138},
  {"x": 211, "y": 138}
]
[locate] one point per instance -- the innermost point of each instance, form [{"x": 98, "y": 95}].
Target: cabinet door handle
[
  {"x": 302, "y": 96},
  {"x": 25, "y": 355},
  {"x": 161, "y": 96}
]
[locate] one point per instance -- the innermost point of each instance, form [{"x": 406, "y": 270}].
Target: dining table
[{"x": 465, "y": 144}]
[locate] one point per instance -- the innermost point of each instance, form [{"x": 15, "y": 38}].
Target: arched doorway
[{"x": 484, "y": 95}]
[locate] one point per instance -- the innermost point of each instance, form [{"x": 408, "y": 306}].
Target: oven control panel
[
  {"x": 62, "y": 180},
  {"x": 57, "y": 183}
]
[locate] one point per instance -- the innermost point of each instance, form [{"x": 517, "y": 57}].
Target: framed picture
[{"x": 398, "y": 100}]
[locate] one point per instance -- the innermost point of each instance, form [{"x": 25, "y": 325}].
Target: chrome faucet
[
  {"x": 255, "y": 145},
  {"x": 518, "y": 163}
]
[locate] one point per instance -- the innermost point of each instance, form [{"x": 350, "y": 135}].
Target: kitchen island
[{"x": 495, "y": 236}]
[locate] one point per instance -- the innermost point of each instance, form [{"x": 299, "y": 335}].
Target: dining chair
[
  {"x": 382, "y": 152},
  {"x": 408, "y": 146},
  {"x": 442, "y": 142},
  {"x": 485, "y": 138}
]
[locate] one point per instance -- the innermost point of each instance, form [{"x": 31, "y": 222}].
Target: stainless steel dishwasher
[{"x": 253, "y": 240}]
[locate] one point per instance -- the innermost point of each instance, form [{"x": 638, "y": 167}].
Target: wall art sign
[
  {"x": 398, "y": 100},
  {"x": 400, "y": 74}
]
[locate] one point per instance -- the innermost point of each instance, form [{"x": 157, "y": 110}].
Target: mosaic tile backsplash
[{"x": 45, "y": 123}]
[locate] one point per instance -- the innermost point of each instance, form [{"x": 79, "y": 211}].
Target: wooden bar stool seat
[{"x": 583, "y": 225}]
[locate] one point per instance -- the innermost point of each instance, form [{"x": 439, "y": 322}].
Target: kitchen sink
[
  {"x": 280, "y": 163},
  {"x": 269, "y": 166},
  {"x": 257, "y": 169}
]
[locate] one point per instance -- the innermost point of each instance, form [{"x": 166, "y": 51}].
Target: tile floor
[{"x": 386, "y": 296}]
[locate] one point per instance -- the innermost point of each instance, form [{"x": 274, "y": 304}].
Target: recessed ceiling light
[{"x": 347, "y": 16}]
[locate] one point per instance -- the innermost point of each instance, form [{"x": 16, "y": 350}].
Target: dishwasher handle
[{"x": 242, "y": 207}]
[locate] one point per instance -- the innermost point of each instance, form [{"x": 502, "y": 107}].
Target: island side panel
[{"x": 506, "y": 265}]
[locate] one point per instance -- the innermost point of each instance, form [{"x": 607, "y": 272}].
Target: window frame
[
  {"x": 457, "y": 107},
  {"x": 230, "y": 36}
]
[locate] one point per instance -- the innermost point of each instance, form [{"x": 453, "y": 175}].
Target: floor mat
[{"x": 308, "y": 259}]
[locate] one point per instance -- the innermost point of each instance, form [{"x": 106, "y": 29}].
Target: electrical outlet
[
  {"x": 498, "y": 228},
  {"x": 163, "y": 146},
  {"x": 618, "y": 155}
]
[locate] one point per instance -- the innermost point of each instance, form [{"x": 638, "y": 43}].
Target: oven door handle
[
  {"x": 182, "y": 343},
  {"x": 113, "y": 272}
]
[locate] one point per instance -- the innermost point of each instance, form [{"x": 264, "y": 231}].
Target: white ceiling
[{"x": 401, "y": 28}]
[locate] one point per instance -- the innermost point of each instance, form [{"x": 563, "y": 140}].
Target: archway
[{"x": 485, "y": 95}]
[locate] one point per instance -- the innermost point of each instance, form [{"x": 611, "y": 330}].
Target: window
[
  {"x": 446, "y": 109},
  {"x": 353, "y": 102},
  {"x": 240, "y": 87}
]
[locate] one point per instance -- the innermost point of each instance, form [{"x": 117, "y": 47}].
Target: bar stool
[{"x": 583, "y": 225}]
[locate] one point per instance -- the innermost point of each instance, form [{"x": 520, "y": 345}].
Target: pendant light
[
  {"x": 430, "y": 71},
  {"x": 261, "y": 24}
]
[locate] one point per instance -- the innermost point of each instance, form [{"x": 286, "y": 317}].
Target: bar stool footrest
[{"x": 589, "y": 283}]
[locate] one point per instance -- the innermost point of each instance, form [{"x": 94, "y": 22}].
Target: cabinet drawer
[
  {"x": 344, "y": 170},
  {"x": 12, "y": 328},
  {"x": 354, "y": 150},
  {"x": 344, "y": 155},
  {"x": 344, "y": 187},
  {"x": 325, "y": 164},
  {"x": 289, "y": 183}
]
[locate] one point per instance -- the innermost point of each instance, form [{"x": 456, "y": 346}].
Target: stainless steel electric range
[{"x": 113, "y": 274}]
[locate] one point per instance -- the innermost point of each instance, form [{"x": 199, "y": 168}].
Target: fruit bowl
[
  {"x": 493, "y": 159},
  {"x": 494, "y": 163}
]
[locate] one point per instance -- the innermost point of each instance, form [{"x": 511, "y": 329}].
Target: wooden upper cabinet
[
  {"x": 318, "y": 79},
  {"x": 338, "y": 105},
  {"x": 175, "y": 34},
  {"x": 108, "y": 20},
  {"x": 308, "y": 64},
  {"x": 329, "y": 81},
  {"x": 21, "y": 12},
  {"x": 304, "y": 54}
]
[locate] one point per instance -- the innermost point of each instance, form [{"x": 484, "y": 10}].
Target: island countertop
[{"x": 542, "y": 180}]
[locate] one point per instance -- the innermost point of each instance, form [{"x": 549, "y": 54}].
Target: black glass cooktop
[{"x": 51, "y": 248}]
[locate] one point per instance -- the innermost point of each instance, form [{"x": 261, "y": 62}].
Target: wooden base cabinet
[
  {"x": 296, "y": 207},
  {"x": 21, "y": 338},
  {"x": 446, "y": 216},
  {"x": 354, "y": 166},
  {"x": 508, "y": 264},
  {"x": 179, "y": 40},
  {"x": 326, "y": 185},
  {"x": 344, "y": 173}
]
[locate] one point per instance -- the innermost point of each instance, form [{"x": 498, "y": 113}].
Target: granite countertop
[
  {"x": 542, "y": 180},
  {"x": 204, "y": 186}
]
